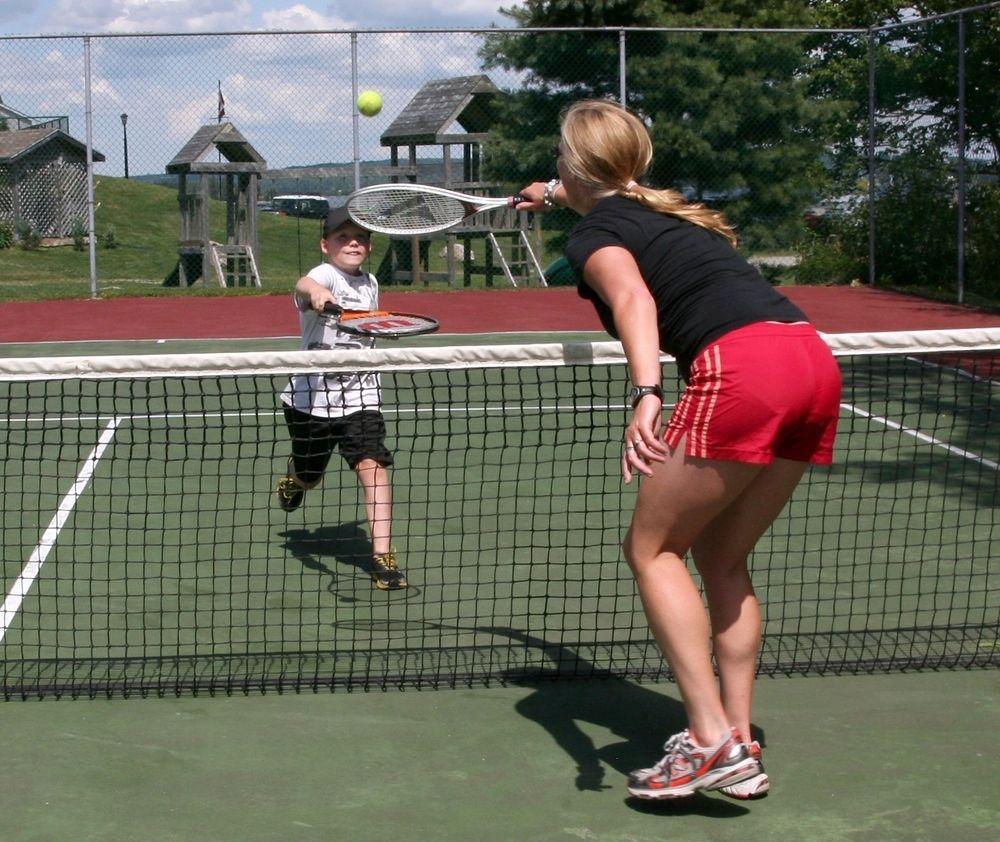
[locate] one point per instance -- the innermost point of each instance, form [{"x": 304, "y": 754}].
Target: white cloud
[
  {"x": 302, "y": 17},
  {"x": 150, "y": 15},
  {"x": 125, "y": 16}
]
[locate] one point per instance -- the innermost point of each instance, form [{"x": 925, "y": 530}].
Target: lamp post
[{"x": 125, "y": 140}]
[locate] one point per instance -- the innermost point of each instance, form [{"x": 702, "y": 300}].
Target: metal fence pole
[
  {"x": 621, "y": 68},
  {"x": 356, "y": 120},
  {"x": 89, "y": 119},
  {"x": 961, "y": 159},
  {"x": 871, "y": 158}
]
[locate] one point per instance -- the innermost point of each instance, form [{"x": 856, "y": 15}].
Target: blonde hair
[{"x": 607, "y": 149}]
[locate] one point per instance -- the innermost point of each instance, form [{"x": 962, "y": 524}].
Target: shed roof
[
  {"x": 467, "y": 100},
  {"x": 221, "y": 137},
  {"x": 21, "y": 142}
]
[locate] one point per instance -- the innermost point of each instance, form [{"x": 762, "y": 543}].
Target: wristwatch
[{"x": 637, "y": 393}]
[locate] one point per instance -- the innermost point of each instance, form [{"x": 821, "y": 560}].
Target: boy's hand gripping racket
[
  {"x": 412, "y": 209},
  {"x": 380, "y": 322}
]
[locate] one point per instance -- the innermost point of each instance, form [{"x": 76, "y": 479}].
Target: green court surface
[
  {"x": 890, "y": 757},
  {"x": 173, "y": 566}
]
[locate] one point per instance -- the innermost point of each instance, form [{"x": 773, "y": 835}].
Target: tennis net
[{"x": 144, "y": 553}]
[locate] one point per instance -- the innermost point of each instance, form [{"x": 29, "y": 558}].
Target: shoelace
[
  {"x": 388, "y": 561},
  {"x": 677, "y": 747}
]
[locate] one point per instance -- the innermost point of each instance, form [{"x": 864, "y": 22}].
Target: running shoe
[
  {"x": 289, "y": 494},
  {"x": 687, "y": 768},
  {"x": 755, "y": 787},
  {"x": 386, "y": 573}
]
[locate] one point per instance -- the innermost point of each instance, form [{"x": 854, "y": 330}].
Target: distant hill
[{"x": 330, "y": 179}]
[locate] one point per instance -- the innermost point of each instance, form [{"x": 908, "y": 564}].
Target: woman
[{"x": 761, "y": 403}]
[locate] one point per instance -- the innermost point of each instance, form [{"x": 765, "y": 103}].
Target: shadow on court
[
  {"x": 641, "y": 717},
  {"x": 348, "y": 547}
]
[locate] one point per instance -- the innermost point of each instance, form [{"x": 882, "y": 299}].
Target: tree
[
  {"x": 729, "y": 112},
  {"x": 916, "y": 141}
]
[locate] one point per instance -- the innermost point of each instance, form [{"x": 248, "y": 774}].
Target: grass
[{"x": 145, "y": 221}]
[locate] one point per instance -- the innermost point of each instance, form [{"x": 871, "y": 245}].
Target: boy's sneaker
[
  {"x": 386, "y": 573},
  {"x": 289, "y": 494},
  {"x": 755, "y": 787},
  {"x": 687, "y": 768}
]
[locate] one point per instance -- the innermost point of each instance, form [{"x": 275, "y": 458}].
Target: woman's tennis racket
[
  {"x": 411, "y": 209},
  {"x": 380, "y": 322}
]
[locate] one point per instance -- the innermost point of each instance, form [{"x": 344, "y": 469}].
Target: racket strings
[{"x": 401, "y": 210}]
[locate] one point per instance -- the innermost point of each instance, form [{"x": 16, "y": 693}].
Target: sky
[
  {"x": 290, "y": 94},
  {"x": 34, "y": 17}
]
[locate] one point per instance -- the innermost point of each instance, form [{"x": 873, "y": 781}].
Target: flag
[{"x": 222, "y": 103}]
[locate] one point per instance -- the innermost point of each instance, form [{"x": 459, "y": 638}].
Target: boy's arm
[{"x": 309, "y": 293}]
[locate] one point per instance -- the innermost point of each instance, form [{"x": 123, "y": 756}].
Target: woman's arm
[{"x": 614, "y": 275}]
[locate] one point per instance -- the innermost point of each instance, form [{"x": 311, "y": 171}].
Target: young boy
[{"x": 340, "y": 410}]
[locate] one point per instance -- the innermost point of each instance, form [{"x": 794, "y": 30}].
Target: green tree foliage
[
  {"x": 916, "y": 138},
  {"x": 730, "y": 113}
]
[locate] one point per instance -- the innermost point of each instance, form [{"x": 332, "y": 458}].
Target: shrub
[
  {"x": 80, "y": 234},
  {"x": 6, "y": 236},
  {"x": 109, "y": 239},
  {"x": 27, "y": 237}
]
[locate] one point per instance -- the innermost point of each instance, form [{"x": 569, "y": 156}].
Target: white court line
[
  {"x": 30, "y": 572},
  {"x": 501, "y": 409},
  {"x": 895, "y": 425}
]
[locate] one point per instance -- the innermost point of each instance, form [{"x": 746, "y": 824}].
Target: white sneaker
[{"x": 755, "y": 787}]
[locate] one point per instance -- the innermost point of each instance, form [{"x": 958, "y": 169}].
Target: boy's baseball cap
[{"x": 337, "y": 218}]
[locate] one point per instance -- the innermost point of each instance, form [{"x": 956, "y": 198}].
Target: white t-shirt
[{"x": 334, "y": 395}]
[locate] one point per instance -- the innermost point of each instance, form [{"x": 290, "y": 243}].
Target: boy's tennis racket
[
  {"x": 411, "y": 209},
  {"x": 380, "y": 322}
]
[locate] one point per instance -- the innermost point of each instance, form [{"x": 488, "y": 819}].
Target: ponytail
[{"x": 674, "y": 204}]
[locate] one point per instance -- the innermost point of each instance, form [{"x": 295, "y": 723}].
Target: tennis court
[{"x": 145, "y": 556}]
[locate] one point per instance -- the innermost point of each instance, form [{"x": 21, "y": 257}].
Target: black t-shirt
[{"x": 702, "y": 287}]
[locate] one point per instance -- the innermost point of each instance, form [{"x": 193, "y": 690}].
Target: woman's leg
[
  {"x": 674, "y": 506},
  {"x": 720, "y": 553}
]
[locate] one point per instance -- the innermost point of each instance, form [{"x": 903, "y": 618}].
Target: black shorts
[{"x": 360, "y": 435}]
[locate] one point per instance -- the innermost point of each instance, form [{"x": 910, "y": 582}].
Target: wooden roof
[
  {"x": 466, "y": 100},
  {"x": 21, "y": 142},
  {"x": 223, "y": 138}
]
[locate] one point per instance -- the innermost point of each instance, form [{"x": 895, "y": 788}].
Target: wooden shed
[
  {"x": 43, "y": 180},
  {"x": 429, "y": 120},
  {"x": 201, "y": 159}
]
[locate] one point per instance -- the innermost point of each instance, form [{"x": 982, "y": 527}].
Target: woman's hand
[
  {"x": 643, "y": 442},
  {"x": 533, "y": 197}
]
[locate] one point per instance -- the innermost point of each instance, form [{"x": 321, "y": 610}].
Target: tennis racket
[
  {"x": 381, "y": 323},
  {"x": 411, "y": 209}
]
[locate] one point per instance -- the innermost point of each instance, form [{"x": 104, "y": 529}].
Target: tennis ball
[{"x": 370, "y": 103}]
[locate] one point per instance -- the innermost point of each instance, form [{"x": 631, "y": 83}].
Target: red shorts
[{"x": 764, "y": 391}]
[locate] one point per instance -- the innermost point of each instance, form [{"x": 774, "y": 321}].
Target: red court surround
[{"x": 832, "y": 309}]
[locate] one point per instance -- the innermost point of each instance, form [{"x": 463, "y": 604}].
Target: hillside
[{"x": 144, "y": 220}]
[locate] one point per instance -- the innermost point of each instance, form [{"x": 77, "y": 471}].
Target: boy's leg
[
  {"x": 374, "y": 479},
  {"x": 312, "y": 444},
  {"x": 363, "y": 446}
]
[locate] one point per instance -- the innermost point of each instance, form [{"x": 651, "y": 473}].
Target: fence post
[
  {"x": 961, "y": 159},
  {"x": 621, "y": 69},
  {"x": 871, "y": 157},
  {"x": 89, "y": 120},
  {"x": 356, "y": 120}
]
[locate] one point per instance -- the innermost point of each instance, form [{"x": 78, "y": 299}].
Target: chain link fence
[{"x": 839, "y": 155}]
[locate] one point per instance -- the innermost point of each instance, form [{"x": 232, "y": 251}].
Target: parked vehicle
[{"x": 310, "y": 207}]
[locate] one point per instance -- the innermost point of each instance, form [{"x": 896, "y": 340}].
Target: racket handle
[
  {"x": 331, "y": 309},
  {"x": 514, "y": 201}
]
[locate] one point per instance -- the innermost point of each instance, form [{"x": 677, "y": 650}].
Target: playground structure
[
  {"x": 233, "y": 263},
  {"x": 501, "y": 238}
]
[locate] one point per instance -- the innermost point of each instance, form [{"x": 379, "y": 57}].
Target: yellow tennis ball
[{"x": 370, "y": 103}]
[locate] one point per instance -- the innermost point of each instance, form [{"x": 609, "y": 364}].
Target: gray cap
[{"x": 336, "y": 218}]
